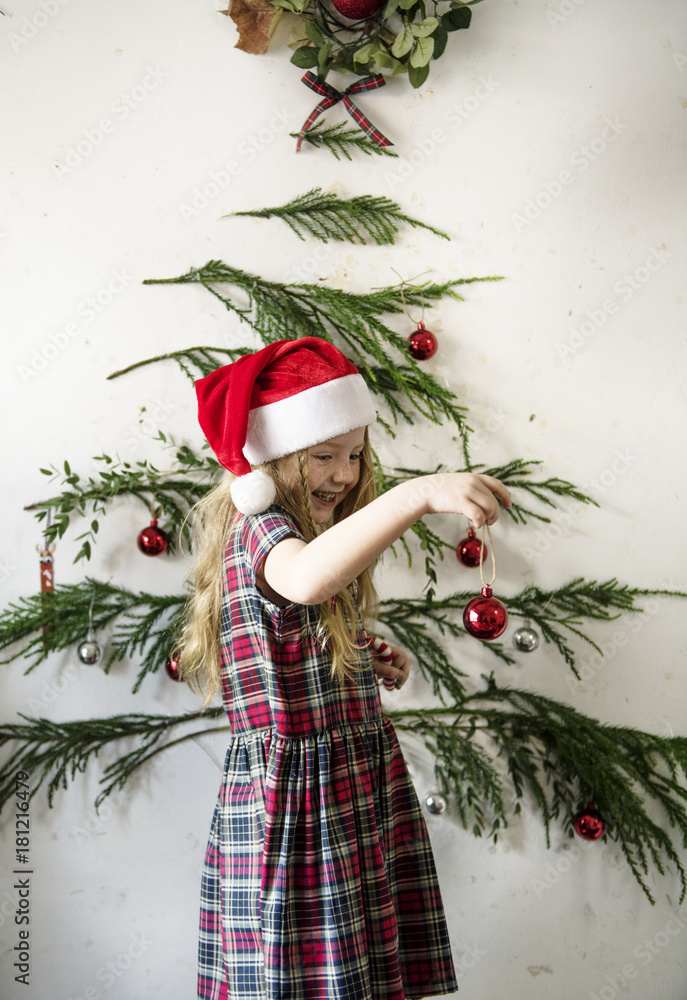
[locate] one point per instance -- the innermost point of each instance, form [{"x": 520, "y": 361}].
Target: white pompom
[{"x": 253, "y": 492}]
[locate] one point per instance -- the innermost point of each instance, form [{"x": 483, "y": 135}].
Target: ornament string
[
  {"x": 401, "y": 286},
  {"x": 493, "y": 557},
  {"x": 332, "y": 96}
]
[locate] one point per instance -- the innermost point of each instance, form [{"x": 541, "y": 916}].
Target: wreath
[{"x": 355, "y": 36}]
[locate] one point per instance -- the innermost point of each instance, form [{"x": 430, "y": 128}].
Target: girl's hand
[
  {"x": 391, "y": 664},
  {"x": 469, "y": 493}
]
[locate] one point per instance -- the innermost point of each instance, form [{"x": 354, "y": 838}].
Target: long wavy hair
[{"x": 211, "y": 520}]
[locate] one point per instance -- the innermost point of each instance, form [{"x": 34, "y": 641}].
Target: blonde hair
[{"x": 211, "y": 521}]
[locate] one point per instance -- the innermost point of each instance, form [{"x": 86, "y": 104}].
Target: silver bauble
[
  {"x": 525, "y": 639},
  {"x": 435, "y": 803},
  {"x": 89, "y": 652}
]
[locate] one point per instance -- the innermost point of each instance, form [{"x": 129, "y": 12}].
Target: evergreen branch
[
  {"x": 514, "y": 474},
  {"x": 328, "y": 217},
  {"x": 166, "y": 492},
  {"x": 560, "y": 758},
  {"x": 555, "y": 613},
  {"x": 278, "y": 311},
  {"x": 339, "y": 139},
  {"x": 205, "y": 359},
  {"x": 55, "y": 752},
  {"x": 74, "y": 608}
]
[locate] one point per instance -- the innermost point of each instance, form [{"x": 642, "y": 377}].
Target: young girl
[{"x": 319, "y": 881}]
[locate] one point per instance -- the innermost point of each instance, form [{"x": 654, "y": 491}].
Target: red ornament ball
[
  {"x": 356, "y": 10},
  {"x": 588, "y": 823},
  {"x": 485, "y": 617},
  {"x": 152, "y": 540},
  {"x": 468, "y": 551},
  {"x": 172, "y": 667},
  {"x": 422, "y": 344}
]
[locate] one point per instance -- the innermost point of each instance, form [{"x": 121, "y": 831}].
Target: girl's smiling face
[{"x": 334, "y": 471}]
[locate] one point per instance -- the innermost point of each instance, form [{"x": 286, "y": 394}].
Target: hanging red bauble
[
  {"x": 485, "y": 617},
  {"x": 422, "y": 344},
  {"x": 356, "y": 10},
  {"x": 152, "y": 540},
  {"x": 172, "y": 667},
  {"x": 588, "y": 823},
  {"x": 468, "y": 551}
]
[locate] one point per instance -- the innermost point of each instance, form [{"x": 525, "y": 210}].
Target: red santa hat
[{"x": 290, "y": 395}]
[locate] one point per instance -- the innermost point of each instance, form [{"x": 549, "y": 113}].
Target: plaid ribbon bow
[{"x": 332, "y": 96}]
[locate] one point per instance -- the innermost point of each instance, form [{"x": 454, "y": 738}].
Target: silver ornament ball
[
  {"x": 89, "y": 652},
  {"x": 435, "y": 803},
  {"x": 525, "y": 639}
]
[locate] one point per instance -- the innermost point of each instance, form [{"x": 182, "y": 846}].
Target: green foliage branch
[
  {"x": 279, "y": 311},
  {"x": 147, "y": 628},
  {"x": 553, "y": 757},
  {"x": 340, "y": 140},
  {"x": 556, "y": 757},
  {"x": 162, "y": 493},
  {"x": 403, "y": 37},
  {"x": 327, "y": 217}
]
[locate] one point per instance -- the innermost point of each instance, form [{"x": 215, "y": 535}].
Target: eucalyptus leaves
[{"x": 403, "y": 36}]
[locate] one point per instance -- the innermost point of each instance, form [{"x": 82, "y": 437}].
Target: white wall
[{"x": 526, "y": 922}]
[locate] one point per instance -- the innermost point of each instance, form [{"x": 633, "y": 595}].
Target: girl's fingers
[{"x": 497, "y": 487}]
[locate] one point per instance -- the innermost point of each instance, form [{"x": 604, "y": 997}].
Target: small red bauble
[
  {"x": 422, "y": 344},
  {"x": 172, "y": 667},
  {"x": 588, "y": 823},
  {"x": 485, "y": 617},
  {"x": 152, "y": 540},
  {"x": 356, "y": 10},
  {"x": 468, "y": 551}
]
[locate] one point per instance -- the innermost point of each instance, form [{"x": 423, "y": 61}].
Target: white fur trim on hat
[
  {"x": 253, "y": 492},
  {"x": 308, "y": 418}
]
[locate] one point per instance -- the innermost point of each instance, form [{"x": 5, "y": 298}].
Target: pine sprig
[
  {"x": 74, "y": 608},
  {"x": 556, "y": 613},
  {"x": 164, "y": 491},
  {"x": 278, "y": 311},
  {"x": 204, "y": 359},
  {"x": 558, "y": 758},
  {"x": 55, "y": 752},
  {"x": 514, "y": 474},
  {"x": 328, "y": 217},
  {"x": 339, "y": 139}
]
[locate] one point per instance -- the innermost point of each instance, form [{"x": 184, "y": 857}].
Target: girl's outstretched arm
[{"x": 309, "y": 573}]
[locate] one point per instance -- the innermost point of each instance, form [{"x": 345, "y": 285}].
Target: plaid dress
[{"x": 319, "y": 881}]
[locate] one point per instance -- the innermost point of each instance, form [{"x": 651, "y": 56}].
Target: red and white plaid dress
[{"x": 319, "y": 881}]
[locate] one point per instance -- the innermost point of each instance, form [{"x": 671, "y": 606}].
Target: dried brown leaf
[{"x": 256, "y": 21}]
